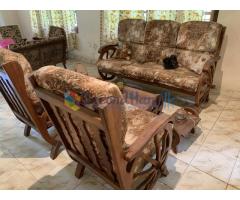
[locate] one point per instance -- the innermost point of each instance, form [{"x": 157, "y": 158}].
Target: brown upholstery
[
  {"x": 8, "y": 56},
  {"x": 200, "y": 36},
  {"x": 60, "y": 80},
  {"x": 161, "y": 33},
  {"x": 113, "y": 65},
  {"x": 133, "y": 119},
  {"x": 131, "y": 30},
  {"x": 136, "y": 120},
  {"x": 155, "y": 73},
  {"x": 12, "y": 32}
]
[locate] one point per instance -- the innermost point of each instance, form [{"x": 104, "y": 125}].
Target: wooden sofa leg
[
  {"x": 27, "y": 130},
  {"x": 64, "y": 64},
  {"x": 79, "y": 170},
  {"x": 55, "y": 150}
]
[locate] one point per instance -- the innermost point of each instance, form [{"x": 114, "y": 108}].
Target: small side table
[{"x": 182, "y": 127}]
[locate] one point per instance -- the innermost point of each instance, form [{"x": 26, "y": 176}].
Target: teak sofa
[
  {"x": 124, "y": 145},
  {"x": 142, "y": 46},
  {"x": 39, "y": 51}
]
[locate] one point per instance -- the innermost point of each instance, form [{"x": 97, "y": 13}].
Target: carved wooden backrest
[
  {"x": 91, "y": 137},
  {"x": 10, "y": 94}
]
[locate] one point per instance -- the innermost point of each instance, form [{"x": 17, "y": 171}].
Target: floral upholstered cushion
[
  {"x": 113, "y": 65},
  {"x": 60, "y": 80},
  {"x": 123, "y": 51},
  {"x": 9, "y": 56},
  {"x": 55, "y": 31},
  {"x": 131, "y": 30},
  {"x": 11, "y": 31},
  {"x": 193, "y": 60},
  {"x": 161, "y": 33},
  {"x": 137, "y": 119},
  {"x": 199, "y": 36},
  {"x": 181, "y": 78}
]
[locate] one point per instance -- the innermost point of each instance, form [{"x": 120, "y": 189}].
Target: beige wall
[
  {"x": 228, "y": 70},
  {"x": 89, "y": 35},
  {"x": 8, "y": 17},
  {"x": 18, "y": 17}
]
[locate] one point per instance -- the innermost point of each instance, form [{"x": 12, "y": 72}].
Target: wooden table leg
[
  {"x": 79, "y": 170},
  {"x": 27, "y": 130},
  {"x": 175, "y": 141}
]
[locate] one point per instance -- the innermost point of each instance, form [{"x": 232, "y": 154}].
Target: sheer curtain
[
  {"x": 110, "y": 19},
  {"x": 42, "y": 19}
]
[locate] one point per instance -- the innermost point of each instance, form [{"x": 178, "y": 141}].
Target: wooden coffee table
[
  {"x": 142, "y": 99},
  {"x": 184, "y": 127}
]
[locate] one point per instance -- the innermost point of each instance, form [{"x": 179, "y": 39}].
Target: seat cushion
[
  {"x": 199, "y": 36},
  {"x": 181, "y": 78},
  {"x": 113, "y": 65},
  {"x": 137, "y": 119}
]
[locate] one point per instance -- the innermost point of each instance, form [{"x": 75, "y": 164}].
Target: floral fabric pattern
[
  {"x": 111, "y": 18},
  {"x": 199, "y": 36},
  {"x": 11, "y": 32},
  {"x": 194, "y": 61},
  {"x": 43, "y": 52},
  {"x": 137, "y": 120},
  {"x": 131, "y": 30},
  {"x": 161, "y": 33},
  {"x": 155, "y": 73},
  {"x": 9, "y": 56},
  {"x": 60, "y": 80},
  {"x": 113, "y": 65}
]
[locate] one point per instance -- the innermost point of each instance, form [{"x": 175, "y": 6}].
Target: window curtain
[
  {"x": 42, "y": 19},
  {"x": 111, "y": 19}
]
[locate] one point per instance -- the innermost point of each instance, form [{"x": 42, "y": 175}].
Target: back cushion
[
  {"x": 199, "y": 36},
  {"x": 92, "y": 90},
  {"x": 9, "y": 56},
  {"x": 193, "y": 60},
  {"x": 161, "y": 33},
  {"x": 131, "y": 30}
]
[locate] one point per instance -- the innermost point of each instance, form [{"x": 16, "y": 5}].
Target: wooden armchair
[
  {"x": 122, "y": 144},
  {"x": 17, "y": 91}
]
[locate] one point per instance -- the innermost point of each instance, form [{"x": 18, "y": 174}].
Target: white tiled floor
[{"x": 208, "y": 159}]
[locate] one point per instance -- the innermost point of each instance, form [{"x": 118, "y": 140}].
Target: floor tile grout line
[
  {"x": 233, "y": 186},
  {"x": 210, "y": 175},
  {"x": 235, "y": 164},
  {"x": 190, "y": 164},
  {"x": 21, "y": 163}
]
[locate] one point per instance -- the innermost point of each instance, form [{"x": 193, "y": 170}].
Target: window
[
  {"x": 42, "y": 19},
  {"x": 111, "y": 18}
]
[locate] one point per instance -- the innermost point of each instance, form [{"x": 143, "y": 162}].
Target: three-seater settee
[{"x": 142, "y": 46}]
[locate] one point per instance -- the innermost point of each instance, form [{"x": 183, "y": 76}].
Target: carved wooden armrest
[
  {"x": 210, "y": 63},
  {"x": 159, "y": 123},
  {"x": 106, "y": 47},
  {"x": 105, "y": 50},
  {"x": 37, "y": 38}
]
